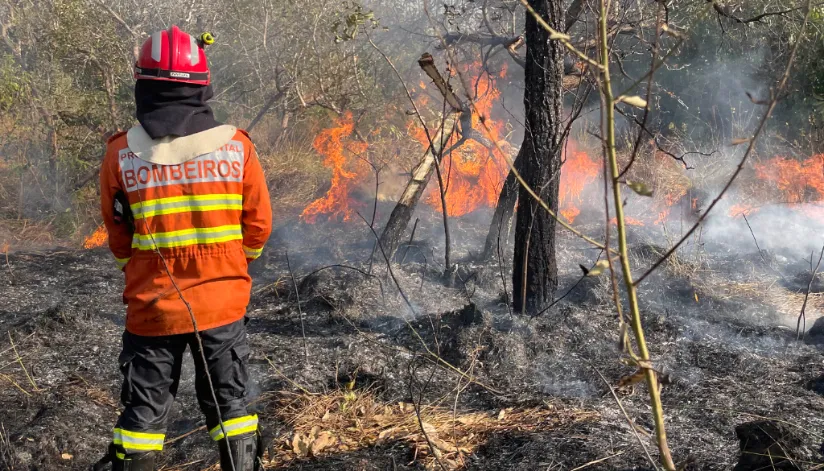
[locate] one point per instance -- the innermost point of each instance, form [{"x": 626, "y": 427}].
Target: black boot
[
  {"x": 136, "y": 462},
  {"x": 244, "y": 453},
  {"x": 123, "y": 462}
]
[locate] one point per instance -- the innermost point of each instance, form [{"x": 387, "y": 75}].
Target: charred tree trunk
[
  {"x": 502, "y": 218},
  {"x": 399, "y": 219},
  {"x": 535, "y": 272}
]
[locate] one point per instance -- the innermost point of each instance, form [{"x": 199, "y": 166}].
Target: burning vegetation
[{"x": 682, "y": 326}]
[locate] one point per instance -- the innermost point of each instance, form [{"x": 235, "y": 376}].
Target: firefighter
[{"x": 186, "y": 206}]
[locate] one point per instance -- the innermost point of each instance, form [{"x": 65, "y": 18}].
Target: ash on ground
[{"x": 742, "y": 392}]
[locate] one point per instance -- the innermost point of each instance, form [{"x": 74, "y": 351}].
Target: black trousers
[{"x": 151, "y": 369}]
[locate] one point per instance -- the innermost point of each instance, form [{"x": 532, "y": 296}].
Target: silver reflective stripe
[
  {"x": 157, "y": 45},
  {"x": 138, "y": 440},
  {"x": 194, "y": 54}
]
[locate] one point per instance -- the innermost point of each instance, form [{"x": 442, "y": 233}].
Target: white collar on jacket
[{"x": 176, "y": 150}]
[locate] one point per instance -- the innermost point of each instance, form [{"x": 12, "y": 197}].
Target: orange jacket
[{"x": 208, "y": 217}]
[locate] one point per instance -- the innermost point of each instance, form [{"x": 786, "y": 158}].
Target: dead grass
[
  {"x": 17, "y": 234},
  {"x": 344, "y": 421}
]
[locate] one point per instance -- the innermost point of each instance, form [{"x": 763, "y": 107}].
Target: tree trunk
[
  {"x": 535, "y": 272},
  {"x": 501, "y": 220}
]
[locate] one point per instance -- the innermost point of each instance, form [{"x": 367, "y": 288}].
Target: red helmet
[{"x": 172, "y": 56}]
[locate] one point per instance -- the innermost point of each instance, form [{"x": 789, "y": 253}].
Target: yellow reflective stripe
[
  {"x": 234, "y": 427},
  {"x": 190, "y": 203},
  {"x": 190, "y": 209},
  {"x": 121, "y": 262},
  {"x": 252, "y": 253},
  {"x": 186, "y": 237},
  {"x": 177, "y": 199},
  {"x": 119, "y": 455},
  {"x": 140, "y": 441}
]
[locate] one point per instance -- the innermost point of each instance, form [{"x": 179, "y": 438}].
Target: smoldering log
[{"x": 402, "y": 213}]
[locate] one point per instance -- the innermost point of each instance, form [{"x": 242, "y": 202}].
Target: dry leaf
[
  {"x": 324, "y": 440},
  {"x": 66, "y": 456},
  {"x": 443, "y": 446},
  {"x": 636, "y": 377},
  {"x": 300, "y": 446},
  {"x": 468, "y": 420},
  {"x": 325, "y": 417},
  {"x": 429, "y": 429},
  {"x": 386, "y": 433},
  {"x": 634, "y": 100},
  {"x": 502, "y": 414}
]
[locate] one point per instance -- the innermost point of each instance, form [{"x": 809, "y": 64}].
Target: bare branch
[{"x": 776, "y": 93}]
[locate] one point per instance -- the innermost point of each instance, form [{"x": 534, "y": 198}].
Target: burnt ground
[{"x": 735, "y": 375}]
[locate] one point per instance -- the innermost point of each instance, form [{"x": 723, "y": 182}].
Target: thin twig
[
  {"x": 347, "y": 267},
  {"x": 501, "y": 268},
  {"x": 20, "y": 360},
  {"x": 437, "y": 358},
  {"x": 511, "y": 164},
  {"x": 594, "y": 462},
  {"x": 438, "y": 157},
  {"x": 14, "y": 383},
  {"x": 799, "y": 333},
  {"x": 417, "y": 407},
  {"x": 289, "y": 380},
  {"x": 776, "y": 94},
  {"x": 629, "y": 420},
  {"x": 300, "y": 310},
  {"x": 561, "y": 37},
  {"x": 571, "y": 288},
  {"x": 411, "y": 239}
]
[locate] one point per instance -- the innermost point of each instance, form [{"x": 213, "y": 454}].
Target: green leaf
[
  {"x": 640, "y": 188},
  {"x": 599, "y": 268}
]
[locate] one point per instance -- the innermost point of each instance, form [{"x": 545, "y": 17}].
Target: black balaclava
[{"x": 173, "y": 108}]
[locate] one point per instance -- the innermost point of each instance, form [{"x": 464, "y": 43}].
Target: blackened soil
[{"x": 727, "y": 377}]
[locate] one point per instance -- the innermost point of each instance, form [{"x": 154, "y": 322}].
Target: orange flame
[
  {"x": 578, "y": 171},
  {"x": 796, "y": 179},
  {"x": 739, "y": 209},
  {"x": 473, "y": 173},
  {"x": 570, "y": 213},
  {"x": 341, "y": 152},
  {"x": 97, "y": 239},
  {"x": 628, "y": 221}
]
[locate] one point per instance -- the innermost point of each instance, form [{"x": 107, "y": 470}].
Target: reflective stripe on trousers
[
  {"x": 138, "y": 441},
  {"x": 234, "y": 427}
]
